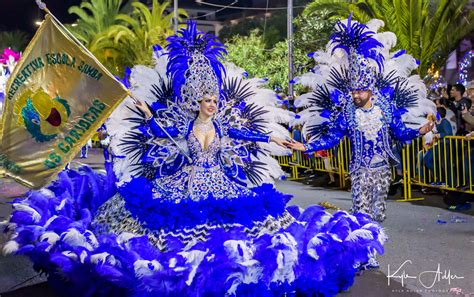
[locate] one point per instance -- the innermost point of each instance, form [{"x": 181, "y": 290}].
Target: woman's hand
[
  {"x": 279, "y": 141},
  {"x": 297, "y": 146},
  {"x": 426, "y": 128},
  {"x": 144, "y": 108}
]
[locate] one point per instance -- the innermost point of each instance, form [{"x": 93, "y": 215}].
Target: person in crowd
[
  {"x": 450, "y": 116},
  {"x": 85, "y": 149},
  {"x": 326, "y": 157},
  {"x": 296, "y": 133},
  {"x": 460, "y": 103},
  {"x": 468, "y": 117},
  {"x": 435, "y": 155},
  {"x": 470, "y": 90},
  {"x": 446, "y": 93}
]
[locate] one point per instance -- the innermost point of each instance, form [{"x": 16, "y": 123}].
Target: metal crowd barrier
[{"x": 447, "y": 165}]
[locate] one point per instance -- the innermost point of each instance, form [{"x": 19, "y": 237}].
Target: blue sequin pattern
[
  {"x": 205, "y": 176},
  {"x": 199, "y": 179},
  {"x": 370, "y": 133},
  {"x": 203, "y": 189}
]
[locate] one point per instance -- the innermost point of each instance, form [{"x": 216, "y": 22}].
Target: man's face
[
  {"x": 360, "y": 98},
  {"x": 454, "y": 92}
]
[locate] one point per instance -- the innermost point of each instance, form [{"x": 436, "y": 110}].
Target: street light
[
  {"x": 38, "y": 23},
  {"x": 175, "y": 17},
  {"x": 290, "y": 48}
]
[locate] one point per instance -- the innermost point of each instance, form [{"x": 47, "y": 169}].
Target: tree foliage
[
  {"x": 94, "y": 19},
  {"x": 312, "y": 30},
  {"x": 249, "y": 52},
  {"x": 117, "y": 38},
  {"x": 135, "y": 36},
  {"x": 252, "y": 52},
  {"x": 427, "y": 29},
  {"x": 16, "y": 40}
]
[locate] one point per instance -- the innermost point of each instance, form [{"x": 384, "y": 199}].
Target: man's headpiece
[{"x": 363, "y": 53}]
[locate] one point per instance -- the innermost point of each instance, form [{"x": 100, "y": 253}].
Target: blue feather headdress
[
  {"x": 194, "y": 64},
  {"x": 358, "y": 42}
]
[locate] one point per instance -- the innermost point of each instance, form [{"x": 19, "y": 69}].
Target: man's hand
[
  {"x": 297, "y": 146},
  {"x": 144, "y": 108},
  {"x": 279, "y": 141},
  {"x": 426, "y": 128},
  {"x": 469, "y": 136}
]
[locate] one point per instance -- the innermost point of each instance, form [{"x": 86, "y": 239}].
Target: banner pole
[
  {"x": 43, "y": 7},
  {"x": 135, "y": 100}
]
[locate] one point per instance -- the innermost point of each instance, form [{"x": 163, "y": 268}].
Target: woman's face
[{"x": 208, "y": 105}]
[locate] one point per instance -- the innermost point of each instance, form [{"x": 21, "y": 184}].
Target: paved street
[{"x": 420, "y": 244}]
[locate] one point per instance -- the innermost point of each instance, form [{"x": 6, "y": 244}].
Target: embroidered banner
[{"x": 55, "y": 100}]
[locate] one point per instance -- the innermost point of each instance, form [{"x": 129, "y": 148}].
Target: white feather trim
[
  {"x": 103, "y": 258},
  {"x": 10, "y": 247},
  {"x": 75, "y": 238},
  {"x": 359, "y": 234},
  {"x": 287, "y": 258},
  {"x": 375, "y": 24},
  {"x": 70, "y": 254},
  {"x": 312, "y": 245},
  {"x": 50, "y": 237},
  {"x": 23, "y": 207},
  {"x": 388, "y": 39},
  {"x": 194, "y": 259},
  {"x": 146, "y": 268}
]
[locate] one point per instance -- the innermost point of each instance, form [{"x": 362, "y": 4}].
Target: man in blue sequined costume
[{"x": 365, "y": 103}]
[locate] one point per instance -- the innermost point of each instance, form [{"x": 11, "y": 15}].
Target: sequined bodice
[
  {"x": 205, "y": 158},
  {"x": 371, "y": 139},
  {"x": 201, "y": 179},
  {"x": 369, "y": 122}
]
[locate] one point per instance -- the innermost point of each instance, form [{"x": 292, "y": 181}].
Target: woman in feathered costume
[
  {"x": 194, "y": 212},
  {"x": 363, "y": 91},
  {"x": 8, "y": 61}
]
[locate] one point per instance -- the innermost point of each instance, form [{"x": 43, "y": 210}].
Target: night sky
[{"x": 22, "y": 14}]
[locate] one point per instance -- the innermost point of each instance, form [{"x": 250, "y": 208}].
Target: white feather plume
[
  {"x": 146, "y": 268},
  {"x": 10, "y": 247},
  {"x": 26, "y": 208}
]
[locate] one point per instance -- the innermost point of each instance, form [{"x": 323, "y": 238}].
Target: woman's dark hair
[
  {"x": 441, "y": 111},
  {"x": 448, "y": 88},
  {"x": 445, "y": 102}
]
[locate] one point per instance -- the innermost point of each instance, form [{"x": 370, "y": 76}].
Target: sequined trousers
[{"x": 370, "y": 190}]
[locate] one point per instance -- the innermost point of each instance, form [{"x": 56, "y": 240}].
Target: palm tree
[
  {"x": 135, "y": 36},
  {"x": 17, "y": 40},
  {"x": 95, "y": 17},
  {"x": 428, "y": 30}
]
